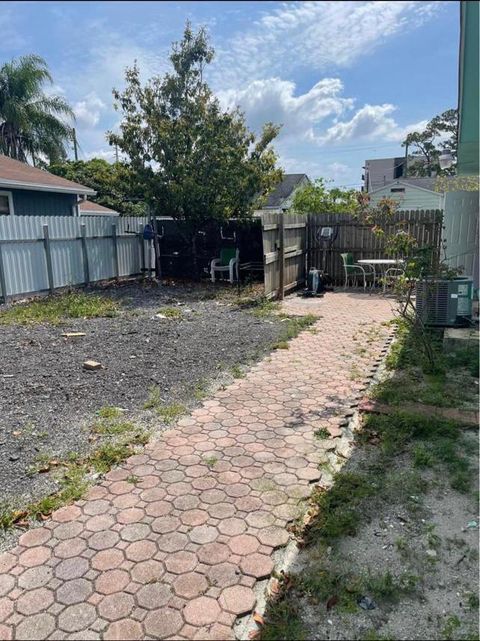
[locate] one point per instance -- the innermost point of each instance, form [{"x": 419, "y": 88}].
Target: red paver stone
[
  {"x": 215, "y": 632},
  {"x": 35, "y": 537},
  {"x": 203, "y": 534},
  {"x": 154, "y": 595},
  {"x": 201, "y": 611},
  {"x": 130, "y": 515},
  {"x": 72, "y": 568},
  {"x": 7, "y": 562},
  {"x": 76, "y": 617},
  {"x": 213, "y": 553},
  {"x": 6, "y": 608},
  {"x": 66, "y": 514},
  {"x": 181, "y": 562},
  {"x": 258, "y": 565},
  {"x": 125, "y": 630},
  {"x": 275, "y": 537},
  {"x": 107, "y": 560},
  {"x": 39, "y": 626},
  {"x": 112, "y": 581},
  {"x": 67, "y": 549},
  {"x": 223, "y": 575},
  {"x": 35, "y": 601},
  {"x": 140, "y": 550},
  {"x": 243, "y": 544},
  {"x": 163, "y": 624},
  {"x": 75, "y": 591},
  {"x": 147, "y": 571},
  {"x": 238, "y": 599},
  {"x": 6, "y": 584},
  {"x": 190, "y": 585},
  {"x": 116, "y": 606},
  {"x": 33, "y": 578},
  {"x": 35, "y": 556}
]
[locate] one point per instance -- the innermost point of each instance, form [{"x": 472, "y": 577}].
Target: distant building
[
  {"x": 410, "y": 193},
  {"x": 29, "y": 191},
  {"x": 282, "y": 196},
  {"x": 89, "y": 208},
  {"x": 379, "y": 172}
]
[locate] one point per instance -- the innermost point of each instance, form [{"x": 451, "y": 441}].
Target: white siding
[{"x": 412, "y": 198}]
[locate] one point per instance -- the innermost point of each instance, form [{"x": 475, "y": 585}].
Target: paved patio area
[{"x": 180, "y": 554}]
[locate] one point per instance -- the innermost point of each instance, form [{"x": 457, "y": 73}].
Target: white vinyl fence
[{"x": 43, "y": 253}]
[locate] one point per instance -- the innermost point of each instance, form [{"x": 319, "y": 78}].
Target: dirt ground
[
  {"x": 425, "y": 539},
  {"x": 48, "y": 401}
]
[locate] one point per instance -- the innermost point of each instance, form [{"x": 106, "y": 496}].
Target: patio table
[{"x": 382, "y": 263}]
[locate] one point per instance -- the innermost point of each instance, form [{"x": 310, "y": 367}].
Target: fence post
[
  {"x": 115, "y": 250},
  {"x": 48, "y": 257},
  {"x": 142, "y": 249},
  {"x": 86, "y": 267},
  {"x": 281, "y": 256},
  {"x": 3, "y": 284}
]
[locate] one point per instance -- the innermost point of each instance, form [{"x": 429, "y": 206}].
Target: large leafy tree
[
  {"x": 316, "y": 198},
  {"x": 197, "y": 162},
  {"x": 32, "y": 123},
  {"x": 115, "y": 184},
  {"x": 426, "y": 146}
]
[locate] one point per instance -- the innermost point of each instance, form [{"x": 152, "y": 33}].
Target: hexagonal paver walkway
[{"x": 177, "y": 555}]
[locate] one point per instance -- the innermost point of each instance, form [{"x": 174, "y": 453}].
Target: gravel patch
[{"x": 48, "y": 401}]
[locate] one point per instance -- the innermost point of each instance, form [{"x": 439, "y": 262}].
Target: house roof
[
  {"x": 284, "y": 189},
  {"x": 89, "y": 207},
  {"x": 16, "y": 174}
]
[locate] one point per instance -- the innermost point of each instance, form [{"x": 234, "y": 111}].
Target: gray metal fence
[{"x": 44, "y": 253}]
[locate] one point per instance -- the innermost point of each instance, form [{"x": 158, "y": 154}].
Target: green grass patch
[
  {"x": 58, "y": 308},
  {"x": 109, "y": 412},
  {"x": 283, "y": 623},
  {"x": 154, "y": 399},
  {"x": 171, "y": 413},
  {"x": 322, "y": 433},
  {"x": 281, "y": 345},
  {"x": 73, "y": 474},
  {"x": 433, "y": 442},
  {"x": 339, "y": 507},
  {"x": 237, "y": 372},
  {"x": 171, "y": 312},
  {"x": 210, "y": 461}
]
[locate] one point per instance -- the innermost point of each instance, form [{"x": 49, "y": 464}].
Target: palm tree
[{"x": 32, "y": 123}]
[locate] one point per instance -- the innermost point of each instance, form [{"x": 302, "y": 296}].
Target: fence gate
[{"x": 284, "y": 252}]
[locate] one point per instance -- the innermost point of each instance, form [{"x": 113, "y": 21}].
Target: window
[
  {"x": 396, "y": 190},
  {"x": 6, "y": 203}
]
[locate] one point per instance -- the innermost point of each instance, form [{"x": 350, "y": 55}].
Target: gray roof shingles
[{"x": 283, "y": 190}]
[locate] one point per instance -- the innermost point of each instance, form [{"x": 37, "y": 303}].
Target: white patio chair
[{"x": 228, "y": 262}]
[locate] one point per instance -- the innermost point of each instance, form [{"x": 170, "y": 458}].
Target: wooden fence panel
[{"x": 351, "y": 236}]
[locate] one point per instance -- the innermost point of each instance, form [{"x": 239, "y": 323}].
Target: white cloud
[
  {"x": 88, "y": 111},
  {"x": 371, "y": 122},
  {"x": 315, "y": 35},
  {"x": 274, "y": 100}
]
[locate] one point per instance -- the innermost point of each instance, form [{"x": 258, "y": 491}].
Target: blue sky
[{"x": 347, "y": 80}]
